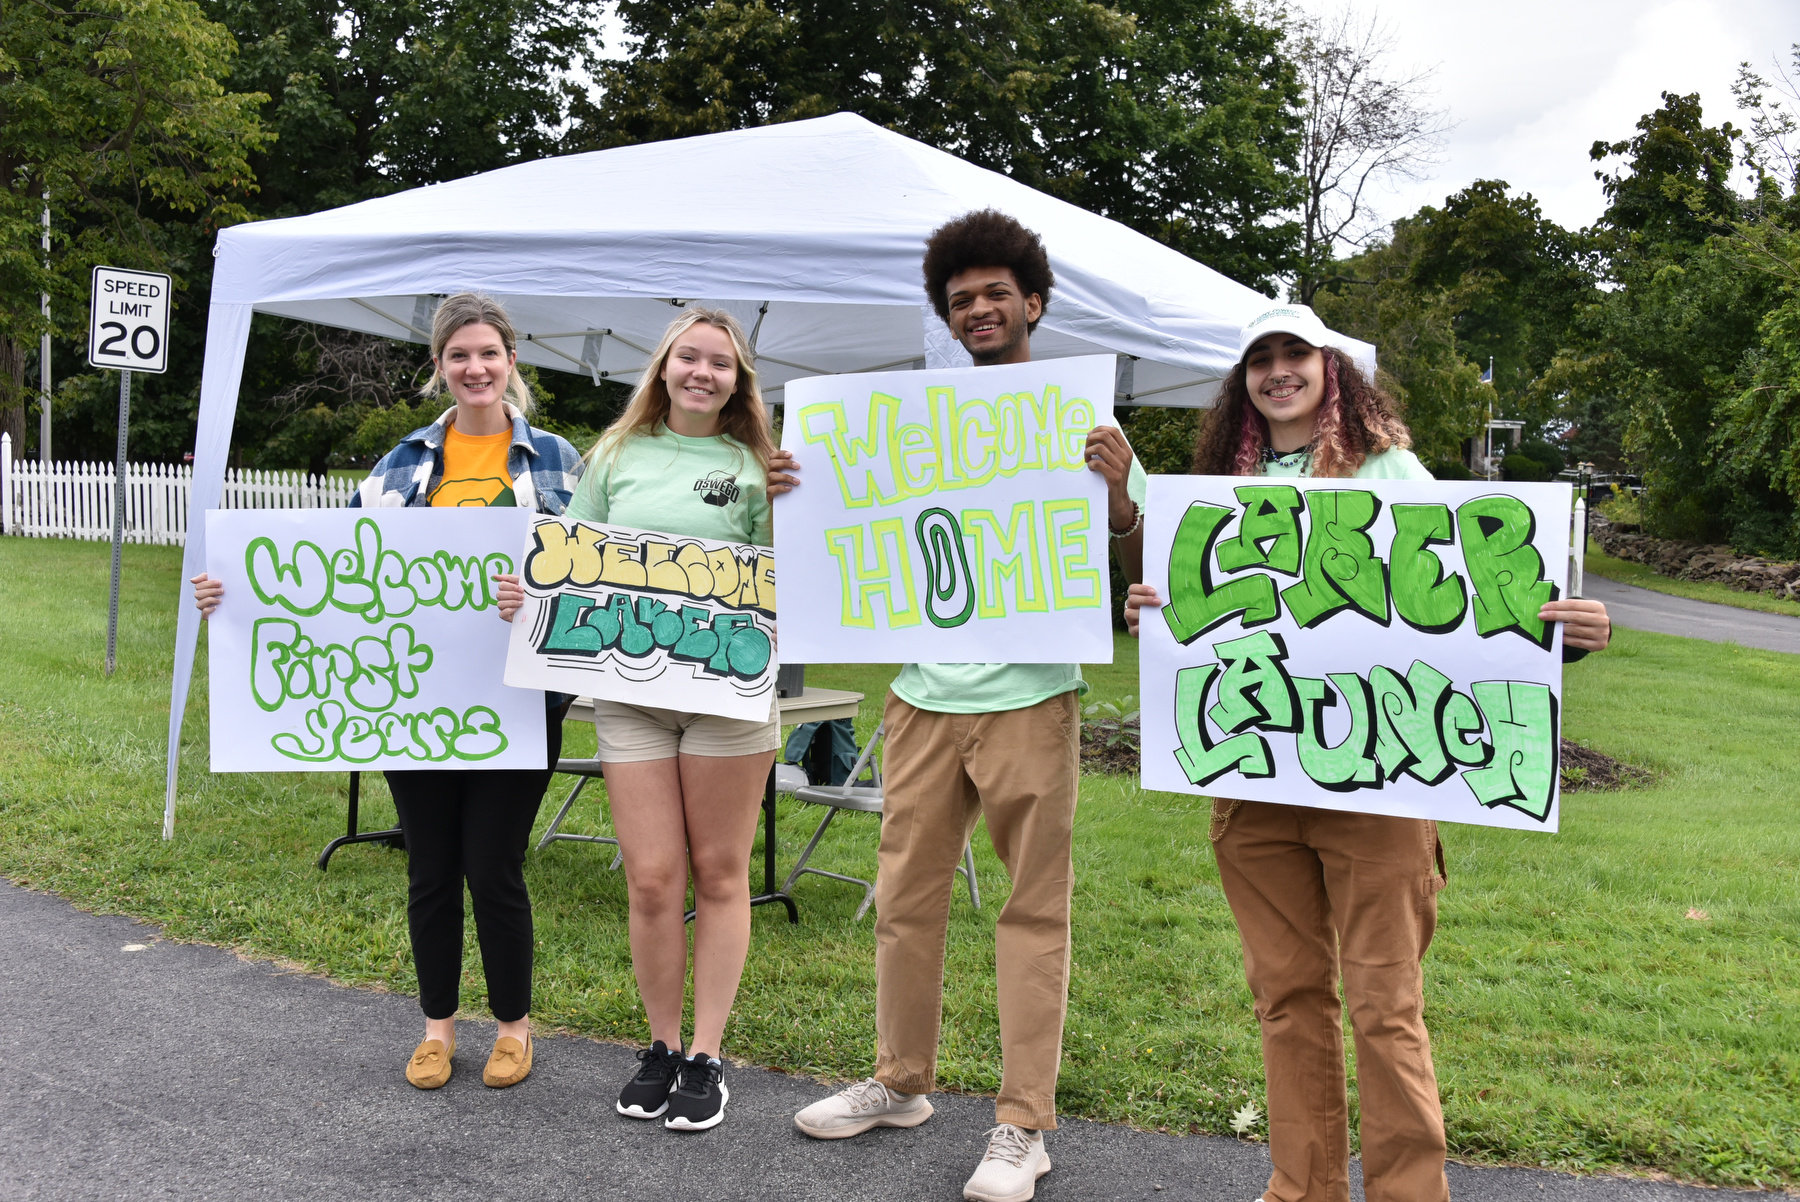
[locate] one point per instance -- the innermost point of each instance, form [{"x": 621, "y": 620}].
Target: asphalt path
[
  {"x": 184, "y": 1071},
  {"x": 1646, "y": 609}
]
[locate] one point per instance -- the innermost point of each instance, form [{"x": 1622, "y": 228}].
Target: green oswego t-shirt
[
  {"x": 701, "y": 487},
  {"x": 990, "y": 688}
]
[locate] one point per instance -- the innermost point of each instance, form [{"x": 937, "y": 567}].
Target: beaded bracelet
[{"x": 1133, "y": 529}]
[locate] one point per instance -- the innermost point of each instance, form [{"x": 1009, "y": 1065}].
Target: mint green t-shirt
[
  {"x": 701, "y": 487},
  {"x": 990, "y": 688},
  {"x": 1391, "y": 464}
]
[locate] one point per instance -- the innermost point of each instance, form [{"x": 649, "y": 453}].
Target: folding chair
[
  {"x": 583, "y": 771},
  {"x": 866, "y": 798}
]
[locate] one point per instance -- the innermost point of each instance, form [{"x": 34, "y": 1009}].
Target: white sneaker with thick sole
[
  {"x": 864, "y": 1105},
  {"x": 1008, "y": 1173}
]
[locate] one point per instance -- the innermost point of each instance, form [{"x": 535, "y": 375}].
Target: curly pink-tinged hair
[
  {"x": 1354, "y": 421},
  {"x": 1253, "y": 438}
]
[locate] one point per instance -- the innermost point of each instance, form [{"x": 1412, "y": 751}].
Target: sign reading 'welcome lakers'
[
  {"x": 659, "y": 620},
  {"x": 948, "y": 516}
]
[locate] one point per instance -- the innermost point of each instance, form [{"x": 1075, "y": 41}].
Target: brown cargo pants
[
  {"x": 1020, "y": 769},
  {"x": 1315, "y": 893}
]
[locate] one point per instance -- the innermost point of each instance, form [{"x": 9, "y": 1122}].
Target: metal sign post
[
  {"x": 112, "y": 610},
  {"x": 128, "y": 329}
]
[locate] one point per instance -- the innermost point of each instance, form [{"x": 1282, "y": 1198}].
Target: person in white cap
[{"x": 1316, "y": 890}]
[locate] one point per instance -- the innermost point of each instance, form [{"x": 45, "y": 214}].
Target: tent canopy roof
[{"x": 810, "y": 232}]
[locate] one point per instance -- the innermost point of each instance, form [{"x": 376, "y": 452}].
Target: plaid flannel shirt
[{"x": 543, "y": 466}]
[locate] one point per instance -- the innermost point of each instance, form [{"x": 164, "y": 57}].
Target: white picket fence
[{"x": 75, "y": 500}]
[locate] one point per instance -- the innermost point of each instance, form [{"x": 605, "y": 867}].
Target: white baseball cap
[{"x": 1298, "y": 320}]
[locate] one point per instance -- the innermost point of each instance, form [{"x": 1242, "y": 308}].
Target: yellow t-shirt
[{"x": 475, "y": 470}]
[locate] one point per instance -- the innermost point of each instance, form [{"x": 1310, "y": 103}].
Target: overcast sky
[{"x": 1533, "y": 83}]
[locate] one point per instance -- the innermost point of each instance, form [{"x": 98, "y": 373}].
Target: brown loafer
[
  {"x": 429, "y": 1067},
  {"x": 509, "y": 1064}
]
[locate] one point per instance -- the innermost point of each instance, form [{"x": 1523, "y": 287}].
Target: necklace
[{"x": 1288, "y": 458}]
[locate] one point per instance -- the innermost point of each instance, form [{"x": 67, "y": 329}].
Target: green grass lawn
[
  {"x": 1626, "y": 572},
  {"x": 1585, "y": 1015}
]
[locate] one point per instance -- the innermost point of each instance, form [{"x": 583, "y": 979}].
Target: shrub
[
  {"x": 1449, "y": 469},
  {"x": 1522, "y": 468}
]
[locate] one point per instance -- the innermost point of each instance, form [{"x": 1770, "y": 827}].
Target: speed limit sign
[{"x": 128, "y": 326}]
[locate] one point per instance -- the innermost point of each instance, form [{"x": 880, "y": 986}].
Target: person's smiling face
[
  {"x": 1285, "y": 376},
  {"x": 701, "y": 373},
  {"x": 476, "y": 366},
  {"x": 990, "y": 316}
]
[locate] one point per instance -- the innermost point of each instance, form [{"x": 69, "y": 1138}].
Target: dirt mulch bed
[
  {"x": 1585, "y": 770},
  {"x": 1109, "y": 745}
]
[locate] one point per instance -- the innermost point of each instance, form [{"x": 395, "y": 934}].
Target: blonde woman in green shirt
[{"x": 688, "y": 456}]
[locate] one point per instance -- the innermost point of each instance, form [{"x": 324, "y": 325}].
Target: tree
[
  {"x": 366, "y": 98},
  {"x": 373, "y": 96},
  {"x": 1676, "y": 330},
  {"x": 1772, "y": 145},
  {"x": 115, "y": 109},
  {"x": 1513, "y": 281},
  {"x": 1365, "y": 124},
  {"x": 1176, "y": 117},
  {"x": 1376, "y": 296}
]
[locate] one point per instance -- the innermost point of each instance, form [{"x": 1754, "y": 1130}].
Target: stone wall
[{"x": 1696, "y": 561}]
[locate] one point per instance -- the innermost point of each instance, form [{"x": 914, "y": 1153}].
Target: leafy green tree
[
  {"x": 1176, "y": 117},
  {"x": 1513, "y": 278},
  {"x": 373, "y": 96},
  {"x": 1674, "y": 329},
  {"x": 1377, "y": 297},
  {"x": 116, "y": 109},
  {"x": 366, "y": 98}
]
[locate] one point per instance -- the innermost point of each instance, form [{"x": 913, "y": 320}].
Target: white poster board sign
[
  {"x": 947, "y": 515},
  {"x": 1360, "y": 645},
  {"x": 661, "y": 620},
  {"x": 365, "y": 639}
]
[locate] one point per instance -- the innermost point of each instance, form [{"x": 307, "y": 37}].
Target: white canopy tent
[{"x": 810, "y": 232}]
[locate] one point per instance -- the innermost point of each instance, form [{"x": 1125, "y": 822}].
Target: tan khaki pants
[
  {"x": 1019, "y": 769},
  {"x": 1313, "y": 892}
]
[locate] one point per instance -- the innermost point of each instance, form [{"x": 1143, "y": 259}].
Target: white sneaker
[
  {"x": 1008, "y": 1173},
  {"x": 864, "y": 1105}
]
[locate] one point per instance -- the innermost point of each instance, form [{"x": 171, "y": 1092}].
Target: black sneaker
[
  {"x": 699, "y": 1099},
  {"x": 647, "y": 1095}
]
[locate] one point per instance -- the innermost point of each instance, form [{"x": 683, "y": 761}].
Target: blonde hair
[
  {"x": 468, "y": 309},
  {"x": 743, "y": 417}
]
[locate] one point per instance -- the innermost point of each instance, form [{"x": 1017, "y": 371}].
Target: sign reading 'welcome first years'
[
  {"x": 365, "y": 639},
  {"x": 1371, "y": 646},
  {"x": 667, "y": 621},
  {"x": 947, "y": 515}
]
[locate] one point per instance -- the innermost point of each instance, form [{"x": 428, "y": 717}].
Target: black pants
[{"x": 472, "y": 826}]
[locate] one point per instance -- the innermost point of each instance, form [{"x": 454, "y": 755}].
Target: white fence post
[{"x": 6, "y": 491}]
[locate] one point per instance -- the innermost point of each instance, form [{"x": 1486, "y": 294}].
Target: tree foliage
[
  {"x": 1176, "y": 117},
  {"x": 1676, "y": 330},
  {"x": 1483, "y": 276},
  {"x": 1366, "y": 123},
  {"x": 372, "y": 96},
  {"x": 1377, "y": 297},
  {"x": 116, "y": 109}
]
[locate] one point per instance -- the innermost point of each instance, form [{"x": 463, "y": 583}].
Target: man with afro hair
[{"x": 966, "y": 741}]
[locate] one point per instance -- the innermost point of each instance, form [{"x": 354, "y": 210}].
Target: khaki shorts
[{"x": 633, "y": 733}]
